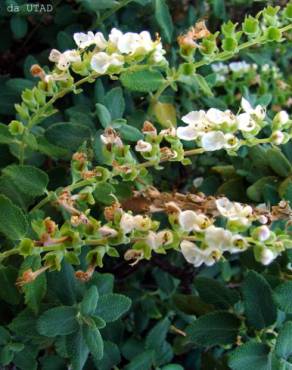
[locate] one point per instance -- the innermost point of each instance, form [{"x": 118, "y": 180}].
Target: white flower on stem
[
  {"x": 83, "y": 40},
  {"x": 197, "y": 256},
  {"x": 194, "y": 117},
  {"x": 213, "y": 140},
  {"x": 239, "y": 67},
  {"x": 245, "y": 122},
  {"x": 101, "y": 61},
  {"x": 187, "y": 133},
  {"x": 263, "y": 219},
  {"x": 191, "y": 221},
  {"x": 164, "y": 237},
  {"x": 232, "y": 209},
  {"x": 258, "y": 111},
  {"x": 231, "y": 141},
  {"x": 267, "y": 256},
  {"x": 217, "y": 237},
  {"x": 238, "y": 244},
  {"x": 63, "y": 60},
  {"x": 106, "y": 231},
  {"x": 142, "y": 223},
  {"x": 128, "y": 43},
  {"x": 219, "y": 68},
  {"x": 127, "y": 223},
  {"x": 217, "y": 116},
  {"x": 143, "y": 146}
]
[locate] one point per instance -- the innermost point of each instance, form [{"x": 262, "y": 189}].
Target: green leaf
[
  {"x": 255, "y": 191},
  {"x": 77, "y": 349},
  {"x": 203, "y": 85},
  {"x": 36, "y": 290},
  {"x": 112, "y": 306},
  {"x": 13, "y": 223},
  {"x": 28, "y": 179},
  {"x": 89, "y": 301},
  {"x": 5, "y": 135},
  {"x": 102, "y": 193},
  {"x": 4, "y": 336},
  {"x": 283, "y": 345},
  {"x": 96, "y": 5},
  {"x": 142, "y": 81},
  {"x": 130, "y": 133},
  {"x": 163, "y": 18},
  {"x": 103, "y": 115},
  {"x": 111, "y": 357},
  {"x": 58, "y": 321},
  {"x": 258, "y": 301},
  {"x": 53, "y": 362},
  {"x": 115, "y": 102},
  {"x": 214, "y": 292},
  {"x": 250, "y": 355},
  {"x": 157, "y": 334},
  {"x": 142, "y": 361},
  {"x": 278, "y": 162},
  {"x": 94, "y": 341},
  {"x": 283, "y": 296},
  {"x": 8, "y": 276},
  {"x": 104, "y": 282},
  {"x": 214, "y": 328},
  {"x": 67, "y": 135},
  {"x": 191, "y": 304},
  {"x": 18, "y": 26}
]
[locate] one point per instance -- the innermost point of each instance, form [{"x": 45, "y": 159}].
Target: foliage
[{"x": 145, "y": 187}]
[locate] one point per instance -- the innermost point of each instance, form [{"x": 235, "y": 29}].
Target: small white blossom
[
  {"x": 263, "y": 219},
  {"x": 83, "y": 40},
  {"x": 213, "y": 140},
  {"x": 217, "y": 237},
  {"x": 216, "y": 116},
  {"x": 258, "y": 111},
  {"x": 64, "y": 60},
  {"x": 142, "y": 223},
  {"x": 127, "y": 223},
  {"x": 143, "y": 146},
  {"x": 238, "y": 244},
  {"x": 239, "y": 67},
  {"x": 101, "y": 61},
  {"x": 231, "y": 141},
  {"x": 107, "y": 231},
  {"x": 219, "y": 68},
  {"x": 246, "y": 122},
  {"x": 197, "y": 256},
  {"x": 191, "y": 221}
]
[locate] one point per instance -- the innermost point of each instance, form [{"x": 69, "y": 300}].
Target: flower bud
[
  {"x": 278, "y": 137},
  {"x": 267, "y": 256},
  {"x": 16, "y": 127},
  {"x": 261, "y": 233},
  {"x": 281, "y": 118}
]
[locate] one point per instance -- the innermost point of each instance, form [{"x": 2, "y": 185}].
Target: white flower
[
  {"x": 143, "y": 146},
  {"x": 263, "y": 219},
  {"x": 232, "y": 209},
  {"x": 151, "y": 240},
  {"x": 217, "y": 237},
  {"x": 246, "y": 122},
  {"x": 217, "y": 116},
  {"x": 213, "y": 140},
  {"x": 219, "y": 68},
  {"x": 187, "y": 133},
  {"x": 127, "y": 223},
  {"x": 239, "y": 67},
  {"x": 258, "y": 111},
  {"x": 194, "y": 117},
  {"x": 101, "y": 61},
  {"x": 191, "y": 221},
  {"x": 128, "y": 43},
  {"x": 83, "y": 40},
  {"x": 197, "y": 256},
  {"x": 142, "y": 223},
  {"x": 267, "y": 256},
  {"x": 107, "y": 231},
  {"x": 238, "y": 244},
  {"x": 231, "y": 141},
  {"x": 64, "y": 60},
  {"x": 164, "y": 237}
]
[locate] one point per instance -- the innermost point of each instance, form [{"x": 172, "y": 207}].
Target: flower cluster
[
  {"x": 215, "y": 129},
  {"x": 109, "y": 56}
]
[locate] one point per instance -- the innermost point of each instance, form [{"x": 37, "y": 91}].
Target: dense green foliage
[{"x": 135, "y": 235}]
